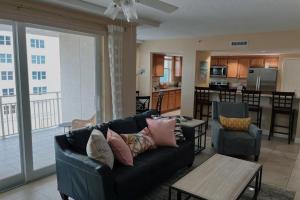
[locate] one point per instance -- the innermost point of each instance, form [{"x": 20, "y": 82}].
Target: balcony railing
[{"x": 45, "y": 112}]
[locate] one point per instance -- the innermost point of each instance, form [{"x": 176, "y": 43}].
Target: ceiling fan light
[
  {"x": 112, "y": 11},
  {"x": 129, "y": 9}
]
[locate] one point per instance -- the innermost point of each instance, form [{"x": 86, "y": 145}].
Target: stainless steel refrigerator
[{"x": 263, "y": 79}]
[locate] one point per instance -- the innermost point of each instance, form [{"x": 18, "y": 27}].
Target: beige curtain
[{"x": 115, "y": 51}]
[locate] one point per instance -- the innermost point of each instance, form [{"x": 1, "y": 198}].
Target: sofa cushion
[
  {"x": 97, "y": 148},
  {"x": 238, "y": 141},
  {"x": 127, "y": 125},
  {"x": 78, "y": 139},
  {"x": 162, "y": 131},
  {"x": 141, "y": 118},
  {"x": 236, "y": 124},
  {"x": 120, "y": 149},
  {"x": 145, "y": 166}
]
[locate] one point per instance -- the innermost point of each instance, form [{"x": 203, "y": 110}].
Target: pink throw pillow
[
  {"x": 146, "y": 133},
  {"x": 162, "y": 131},
  {"x": 120, "y": 148}
]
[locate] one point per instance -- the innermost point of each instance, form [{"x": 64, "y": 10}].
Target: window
[
  {"x": 38, "y": 59},
  {"x": 8, "y": 92},
  {"x": 13, "y": 109},
  {"x": 167, "y": 70},
  {"x": 36, "y": 75},
  {"x": 39, "y": 90},
  {"x": 5, "y": 58},
  {"x": 7, "y": 75},
  {"x": 5, "y": 40},
  {"x": 34, "y": 43},
  {"x": 5, "y": 110}
]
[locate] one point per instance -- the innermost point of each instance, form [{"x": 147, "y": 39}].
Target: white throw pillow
[{"x": 98, "y": 148}]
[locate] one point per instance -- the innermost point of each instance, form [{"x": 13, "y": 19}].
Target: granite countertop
[{"x": 167, "y": 89}]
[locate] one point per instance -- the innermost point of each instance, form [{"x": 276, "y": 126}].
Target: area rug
[{"x": 267, "y": 192}]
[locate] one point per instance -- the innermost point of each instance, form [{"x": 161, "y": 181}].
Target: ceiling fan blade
[
  {"x": 159, "y": 5},
  {"x": 112, "y": 11}
]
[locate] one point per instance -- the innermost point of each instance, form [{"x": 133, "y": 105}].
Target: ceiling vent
[{"x": 239, "y": 43}]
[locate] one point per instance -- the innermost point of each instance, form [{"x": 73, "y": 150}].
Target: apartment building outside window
[
  {"x": 40, "y": 90},
  {"x": 6, "y": 109},
  {"x": 5, "y": 40},
  {"x": 8, "y": 91},
  {"x": 37, "y": 59},
  {"x": 39, "y": 75},
  {"x": 34, "y": 43},
  {"x": 6, "y": 75},
  {"x": 5, "y": 58}
]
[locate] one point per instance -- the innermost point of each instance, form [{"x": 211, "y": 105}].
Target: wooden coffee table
[{"x": 219, "y": 178}]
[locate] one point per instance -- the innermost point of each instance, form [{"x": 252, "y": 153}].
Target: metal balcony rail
[{"x": 45, "y": 112}]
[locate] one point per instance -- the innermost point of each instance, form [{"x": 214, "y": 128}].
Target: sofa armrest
[
  {"x": 217, "y": 135},
  {"x": 188, "y": 133},
  {"x": 256, "y": 132},
  {"x": 80, "y": 177}
]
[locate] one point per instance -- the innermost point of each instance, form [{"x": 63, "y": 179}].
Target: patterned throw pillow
[
  {"x": 98, "y": 148},
  {"x": 139, "y": 142},
  {"x": 236, "y": 124}
]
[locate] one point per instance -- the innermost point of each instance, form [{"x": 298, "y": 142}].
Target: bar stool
[
  {"x": 159, "y": 102},
  {"x": 282, "y": 103},
  {"x": 202, "y": 99},
  {"x": 252, "y": 98},
  {"x": 227, "y": 95}
]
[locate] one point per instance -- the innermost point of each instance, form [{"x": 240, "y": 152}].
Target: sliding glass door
[
  {"x": 55, "y": 82},
  {"x": 10, "y": 156}
]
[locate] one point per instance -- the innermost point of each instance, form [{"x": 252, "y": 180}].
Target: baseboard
[{"x": 297, "y": 140}]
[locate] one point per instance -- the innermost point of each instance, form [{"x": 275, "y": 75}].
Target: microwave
[{"x": 218, "y": 71}]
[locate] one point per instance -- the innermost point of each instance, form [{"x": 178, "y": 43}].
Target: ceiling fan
[{"x": 129, "y": 8}]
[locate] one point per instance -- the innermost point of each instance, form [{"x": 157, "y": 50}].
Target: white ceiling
[{"x": 218, "y": 17}]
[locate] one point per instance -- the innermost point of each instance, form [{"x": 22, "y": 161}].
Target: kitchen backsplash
[{"x": 233, "y": 82}]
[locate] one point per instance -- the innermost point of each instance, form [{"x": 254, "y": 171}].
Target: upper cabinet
[
  {"x": 244, "y": 64},
  {"x": 158, "y": 65},
  {"x": 238, "y": 66},
  {"x": 214, "y": 61},
  {"x": 177, "y": 66},
  {"x": 232, "y": 68},
  {"x": 223, "y": 61},
  {"x": 257, "y": 62},
  {"x": 272, "y": 62}
]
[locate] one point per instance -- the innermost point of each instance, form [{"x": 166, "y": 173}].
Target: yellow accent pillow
[{"x": 235, "y": 124}]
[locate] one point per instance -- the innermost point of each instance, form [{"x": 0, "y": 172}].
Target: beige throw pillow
[{"x": 98, "y": 148}]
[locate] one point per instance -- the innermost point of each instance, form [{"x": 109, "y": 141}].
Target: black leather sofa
[{"x": 82, "y": 178}]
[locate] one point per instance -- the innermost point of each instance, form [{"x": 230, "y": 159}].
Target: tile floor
[{"x": 281, "y": 168}]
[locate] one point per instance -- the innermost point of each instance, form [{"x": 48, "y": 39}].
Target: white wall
[
  {"x": 77, "y": 59},
  {"x": 184, "y": 47}
]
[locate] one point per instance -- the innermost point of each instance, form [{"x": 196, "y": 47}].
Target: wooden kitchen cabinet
[
  {"x": 271, "y": 62},
  {"x": 158, "y": 61},
  {"x": 232, "y": 68},
  {"x": 172, "y": 100},
  {"x": 177, "y": 98},
  {"x": 223, "y": 61},
  {"x": 165, "y": 102},
  {"x": 214, "y": 61},
  {"x": 257, "y": 62},
  {"x": 177, "y": 66},
  {"x": 243, "y": 67}
]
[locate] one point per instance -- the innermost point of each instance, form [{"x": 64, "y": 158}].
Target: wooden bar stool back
[
  {"x": 228, "y": 95},
  {"x": 159, "y": 102},
  {"x": 282, "y": 103},
  {"x": 202, "y": 99},
  {"x": 252, "y": 98}
]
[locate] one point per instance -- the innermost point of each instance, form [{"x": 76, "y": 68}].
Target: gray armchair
[{"x": 229, "y": 142}]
